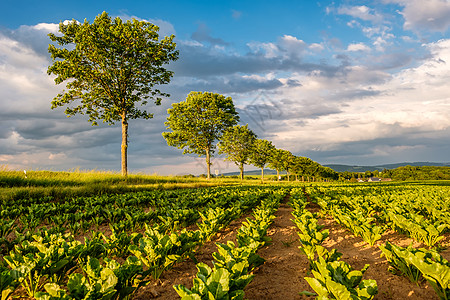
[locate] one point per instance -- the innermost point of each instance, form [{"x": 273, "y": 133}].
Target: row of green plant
[
  {"x": 233, "y": 263},
  {"x": 19, "y": 219},
  {"x": 54, "y": 262},
  {"x": 420, "y": 212},
  {"x": 417, "y": 264},
  {"x": 333, "y": 278},
  {"x": 358, "y": 218}
]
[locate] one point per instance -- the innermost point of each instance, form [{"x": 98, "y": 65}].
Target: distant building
[{"x": 374, "y": 179}]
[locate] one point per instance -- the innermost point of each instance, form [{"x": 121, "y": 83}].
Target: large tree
[
  {"x": 197, "y": 123},
  {"x": 110, "y": 66},
  {"x": 261, "y": 154},
  {"x": 237, "y": 143}
]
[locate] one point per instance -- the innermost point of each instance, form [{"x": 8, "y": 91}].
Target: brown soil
[{"x": 282, "y": 275}]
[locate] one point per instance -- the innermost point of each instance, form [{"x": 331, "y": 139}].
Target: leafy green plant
[
  {"x": 228, "y": 255},
  {"x": 118, "y": 242},
  {"x": 7, "y": 283},
  {"x": 160, "y": 251},
  {"x": 435, "y": 269},
  {"x": 49, "y": 256},
  {"x": 214, "y": 284},
  {"x": 213, "y": 220},
  {"x": 337, "y": 280},
  {"x": 112, "y": 281},
  {"x": 397, "y": 258}
]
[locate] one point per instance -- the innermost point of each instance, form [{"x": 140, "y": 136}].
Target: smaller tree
[
  {"x": 287, "y": 161},
  {"x": 261, "y": 154},
  {"x": 276, "y": 161},
  {"x": 300, "y": 166},
  {"x": 197, "y": 123},
  {"x": 237, "y": 144}
]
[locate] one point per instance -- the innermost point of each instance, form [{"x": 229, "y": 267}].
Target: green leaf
[
  {"x": 317, "y": 286},
  {"x": 338, "y": 290}
]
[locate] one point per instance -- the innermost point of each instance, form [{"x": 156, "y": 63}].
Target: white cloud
[
  {"x": 47, "y": 27},
  {"x": 358, "y": 47},
  {"x": 269, "y": 50},
  {"x": 316, "y": 47},
  {"x": 361, "y": 12},
  {"x": 432, "y": 15}
]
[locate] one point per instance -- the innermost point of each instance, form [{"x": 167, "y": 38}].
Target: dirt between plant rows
[{"x": 282, "y": 275}]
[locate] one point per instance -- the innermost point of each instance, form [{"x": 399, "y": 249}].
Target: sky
[{"x": 343, "y": 82}]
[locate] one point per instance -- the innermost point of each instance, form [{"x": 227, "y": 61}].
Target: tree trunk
[
  {"x": 262, "y": 174},
  {"x": 124, "y": 145},
  {"x": 278, "y": 175},
  {"x": 288, "y": 175},
  {"x": 296, "y": 177},
  {"x": 208, "y": 165},
  {"x": 241, "y": 168}
]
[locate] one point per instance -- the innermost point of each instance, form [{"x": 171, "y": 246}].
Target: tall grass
[
  {"x": 35, "y": 184},
  {"x": 12, "y": 178}
]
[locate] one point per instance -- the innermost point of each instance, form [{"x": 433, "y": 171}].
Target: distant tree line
[{"x": 401, "y": 173}]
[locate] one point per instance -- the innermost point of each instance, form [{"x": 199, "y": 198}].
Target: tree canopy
[
  {"x": 110, "y": 66},
  {"x": 197, "y": 123},
  {"x": 237, "y": 144},
  {"x": 261, "y": 154}
]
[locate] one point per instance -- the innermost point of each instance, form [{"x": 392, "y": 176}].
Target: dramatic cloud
[
  {"x": 405, "y": 113},
  {"x": 432, "y": 15}
]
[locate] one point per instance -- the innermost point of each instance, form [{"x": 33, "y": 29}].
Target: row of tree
[
  {"x": 206, "y": 120},
  {"x": 110, "y": 66}
]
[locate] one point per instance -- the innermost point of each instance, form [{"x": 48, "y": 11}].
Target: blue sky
[{"x": 354, "y": 82}]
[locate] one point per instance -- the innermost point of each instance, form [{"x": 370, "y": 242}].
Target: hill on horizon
[{"x": 349, "y": 168}]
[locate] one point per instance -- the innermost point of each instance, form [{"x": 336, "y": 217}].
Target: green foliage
[
  {"x": 112, "y": 65},
  {"x": 397, "y": 258},
  {"x": 197, "y": 123},
  {"x": 214, "y": 219},
  {"x": 418, "y": 173},
  {"x": 281, "y": 160},
  {"x": 435, "y": 269},
  {"x": 49, "y": 256},
  {"x": 418, "y": 227},
  {"x": 261, "y": 154},
  {"x": 337, "y": 280},
  {"x": 7, "y": 283},
  {"x": 214, "y": 284},
  {"x": 112, "y": 281},
  {"x": 237, "y": 143},
  {"x": 160, "y": 251}
]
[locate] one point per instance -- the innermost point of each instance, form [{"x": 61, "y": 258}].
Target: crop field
[{"x": 242, "y": 241}]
